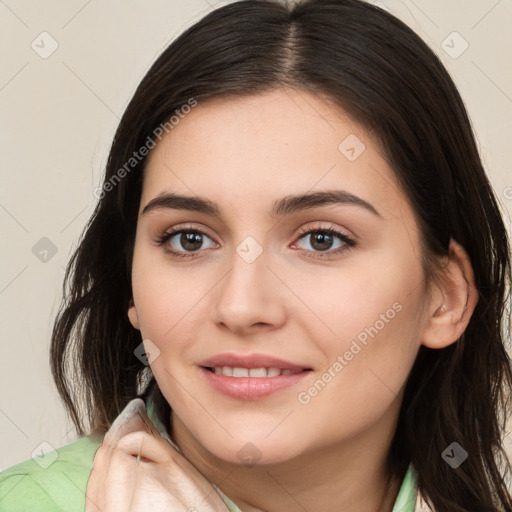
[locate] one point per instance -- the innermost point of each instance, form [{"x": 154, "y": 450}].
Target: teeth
[
  {"x": 252, "y": 372},
  {"x": 227, "y": 370},
  {"x": 240, "y": 372},
  {"x": 257, "y": 372}
]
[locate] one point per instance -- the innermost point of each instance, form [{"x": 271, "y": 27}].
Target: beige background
[{"x": 58, "y": 115}]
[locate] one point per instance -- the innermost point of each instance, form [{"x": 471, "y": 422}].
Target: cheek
[
  {"x": 368, "y": 367},
  {"x": 374, "y": 318},
  {"x": 166, "y": 299},
  {"x": 362, "y": 299}
]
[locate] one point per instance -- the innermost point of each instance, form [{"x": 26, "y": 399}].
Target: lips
[
  {"x": 248, "y": 377},
  {"x": 238, "y": 372},
  {"x": 252, "y": 361}
]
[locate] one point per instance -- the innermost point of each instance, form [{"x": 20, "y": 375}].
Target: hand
[{"x": 161, "y": 480}]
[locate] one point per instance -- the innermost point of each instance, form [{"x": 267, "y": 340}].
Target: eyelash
[{"x": 348, "y": 241}]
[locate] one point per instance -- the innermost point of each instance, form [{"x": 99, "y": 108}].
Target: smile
[
  {"x": 251, "y": 384},
  {"x": 230, "y": 371}
]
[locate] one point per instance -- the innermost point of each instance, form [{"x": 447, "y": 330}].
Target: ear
[
  {"x": 132, "y": 315},
  {"x": 453, "y": 301}
]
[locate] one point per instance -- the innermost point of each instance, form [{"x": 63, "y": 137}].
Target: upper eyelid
[{"x": 303, "y": 231}]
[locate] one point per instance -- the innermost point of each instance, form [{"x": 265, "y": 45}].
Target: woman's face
[{"x": 347, "y": 311}]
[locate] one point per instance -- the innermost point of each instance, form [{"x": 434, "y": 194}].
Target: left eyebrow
[
  {"x": 281, "y": 207},
  {"x": 291, "y": 204}
]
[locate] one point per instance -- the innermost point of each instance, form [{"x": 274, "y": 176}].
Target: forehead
[{"x": 243, "y": 153}]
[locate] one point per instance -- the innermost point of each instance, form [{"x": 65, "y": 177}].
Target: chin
[{"x": 256, "y": 452}]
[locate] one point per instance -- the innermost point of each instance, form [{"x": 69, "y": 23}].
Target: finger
[
  {"x": 131, "y": 484},
  {"x": 167, "y": 477},
  {"x": 94, "y": 491},
  {"x": 148, "y": 447},
  {"x": 133, "y": 417},
  {"x": 102, "y": 457},
  {"x": 116, "y": 475},
  {"x": 180, "y": 475}
]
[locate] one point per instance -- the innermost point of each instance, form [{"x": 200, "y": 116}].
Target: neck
[{"x": 348, "y": 477}]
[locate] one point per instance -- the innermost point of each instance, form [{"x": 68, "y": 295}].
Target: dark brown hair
[{"x": 381, "y": 73}]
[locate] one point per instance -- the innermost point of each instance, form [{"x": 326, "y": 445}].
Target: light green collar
[{"x": 405, "y": 501}]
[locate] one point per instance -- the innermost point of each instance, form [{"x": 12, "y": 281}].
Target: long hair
[{"x": 383, "y": 75}]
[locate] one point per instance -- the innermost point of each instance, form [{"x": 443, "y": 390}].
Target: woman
[{"x": 298, "y": 266}]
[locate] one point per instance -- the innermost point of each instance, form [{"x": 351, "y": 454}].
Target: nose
[{"x": 251, "y": 296}]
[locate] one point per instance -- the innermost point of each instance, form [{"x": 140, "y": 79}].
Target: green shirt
[{"x": 57, "y": 480}]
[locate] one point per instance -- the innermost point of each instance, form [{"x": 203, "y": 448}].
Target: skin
[
  {"x": 161, "y": 479},
  {"x": 243, "y": 154}
]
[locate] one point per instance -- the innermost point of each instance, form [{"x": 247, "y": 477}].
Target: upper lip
[{"x": 250, "y": 361}]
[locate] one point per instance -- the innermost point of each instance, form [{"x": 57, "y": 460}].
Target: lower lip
[{"x": 251, "y": 388}]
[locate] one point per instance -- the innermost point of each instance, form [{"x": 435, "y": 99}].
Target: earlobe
[
  {"x": 452, "y": 306},
  {"x": 133, "y": 316}
]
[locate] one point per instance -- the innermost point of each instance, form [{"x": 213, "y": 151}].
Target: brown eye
[
  {"x": 183, "y": 242},
  {"x": 321, "y": 240}
]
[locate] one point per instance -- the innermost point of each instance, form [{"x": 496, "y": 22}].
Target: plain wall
[{"x": 58, "y": 115}]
